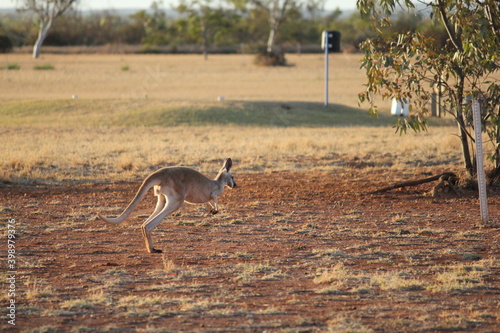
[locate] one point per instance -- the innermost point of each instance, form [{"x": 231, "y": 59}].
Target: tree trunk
[
  {"x": 42, "y": 33},
  {"x": 469, "y": 166},
  {"x": 271, "y": 39},
  {"x": 494, "y": 176},
  {"x": 205, "y": 47},
  {"x": 204, "y": 38}
]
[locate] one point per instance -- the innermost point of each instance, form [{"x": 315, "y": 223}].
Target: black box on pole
[{"x": 333, "y": 40}]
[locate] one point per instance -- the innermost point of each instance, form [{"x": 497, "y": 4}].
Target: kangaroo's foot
[
  {"x": 156, "y": 251},
  {"x": 214, "y": 211}
]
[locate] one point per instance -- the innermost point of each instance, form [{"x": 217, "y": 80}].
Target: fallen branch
[{"x": 447, "y": 181}]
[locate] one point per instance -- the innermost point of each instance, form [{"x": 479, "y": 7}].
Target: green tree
[
  {"x": 354, "y": 29},
  {"x": 303, "y": 26},
  {"x": 156, "y": 31},
  {"x": 205, "y": 21},
  {"x": 408, "y": 65},
  {"x": 276, "y": 11}
]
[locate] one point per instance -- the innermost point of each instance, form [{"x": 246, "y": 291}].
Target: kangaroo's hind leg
[
  {"x": 172, "y": 204},
  {"x": 160, "y": 204}
]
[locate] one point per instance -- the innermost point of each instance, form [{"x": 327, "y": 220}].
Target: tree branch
[{"x": 446, "y": 22}]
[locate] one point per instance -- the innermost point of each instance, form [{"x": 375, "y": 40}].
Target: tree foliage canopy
[{"x": 236, "y": 25}]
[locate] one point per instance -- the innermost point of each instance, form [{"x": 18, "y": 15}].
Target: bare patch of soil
[{"x": 298, "y": 252}]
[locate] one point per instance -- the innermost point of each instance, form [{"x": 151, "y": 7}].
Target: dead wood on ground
[{"x": 447, "y": 182}]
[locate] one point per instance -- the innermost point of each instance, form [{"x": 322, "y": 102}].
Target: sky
[{"x": 142, "y": 4}]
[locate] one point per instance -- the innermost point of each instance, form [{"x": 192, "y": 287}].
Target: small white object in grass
[
  {"x": 74, "y": 96},
  {"x": 220, "y": 98}
]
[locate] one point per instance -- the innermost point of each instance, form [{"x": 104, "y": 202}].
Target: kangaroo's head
[{"x": 225, "y": 176}]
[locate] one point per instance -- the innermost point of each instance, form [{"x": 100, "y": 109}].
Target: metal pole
[
  {"x": 481, "y": 178},
  {"x": 326, "y": 68}
]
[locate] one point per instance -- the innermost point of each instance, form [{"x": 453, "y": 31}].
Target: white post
[
  {"x": 481, "y": 178},
  {"x": 326, "y": 68}
]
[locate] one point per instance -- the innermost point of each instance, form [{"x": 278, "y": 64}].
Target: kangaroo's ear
[{"x": 227, "y": 164}]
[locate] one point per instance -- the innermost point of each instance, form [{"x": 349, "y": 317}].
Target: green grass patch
[
  {"x": 145, "y": 112},
  {"x": 44, "y": 67},
  {"x": 10, "y": 67}
]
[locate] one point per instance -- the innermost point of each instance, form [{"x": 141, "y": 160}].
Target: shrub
[{"x": 270, "y": 59}]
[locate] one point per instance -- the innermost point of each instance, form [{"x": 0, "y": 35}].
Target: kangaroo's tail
[{"x": 146, "y": 185}]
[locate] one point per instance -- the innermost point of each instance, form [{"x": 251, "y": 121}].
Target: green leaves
[
  {"x": 415, "y": 123},
  {"x": 412, "y": 65}
]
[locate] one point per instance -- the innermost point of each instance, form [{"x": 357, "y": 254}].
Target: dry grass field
[
  {"x": 300, "y": 246},
  {"x": 181, "y": 78}
]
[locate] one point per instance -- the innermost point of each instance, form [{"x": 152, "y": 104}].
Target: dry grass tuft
[{"x": 124, "y": 153}]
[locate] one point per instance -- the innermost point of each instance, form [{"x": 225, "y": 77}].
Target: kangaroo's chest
[{"x": 201, "y": 194}]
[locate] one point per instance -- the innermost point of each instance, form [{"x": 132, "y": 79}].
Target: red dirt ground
[{"x": 252, "y": 267}]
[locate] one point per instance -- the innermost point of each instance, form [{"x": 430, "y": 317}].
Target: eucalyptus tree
[
  {"x": 46, "y": 11},
  {"x": 410, "y": 65}
]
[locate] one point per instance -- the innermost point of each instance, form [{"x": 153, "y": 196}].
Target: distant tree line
[{"x": 200, "y": 26}]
